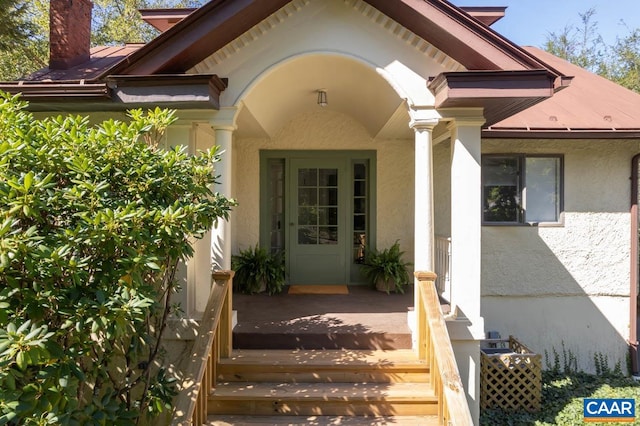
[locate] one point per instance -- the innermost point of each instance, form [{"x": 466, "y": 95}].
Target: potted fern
[
  {"x": 257, "y": 270},
  {"x": 386, "y": 270}
]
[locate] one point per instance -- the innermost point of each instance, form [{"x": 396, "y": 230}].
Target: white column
[
  {"x": 466, "y": 213},
  {"x": 467, "y": 329},
  {"x": 223, "y": 124},
  {"x": 423, "y": 253},
  {"x": 221, "y": 235},
  {"x": 423, "y": 196}
]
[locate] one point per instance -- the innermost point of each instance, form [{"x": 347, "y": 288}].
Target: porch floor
[{"x": 362, "y": 319}]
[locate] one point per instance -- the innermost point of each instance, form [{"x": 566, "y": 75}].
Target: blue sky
[{"x": 528, "y": 22}]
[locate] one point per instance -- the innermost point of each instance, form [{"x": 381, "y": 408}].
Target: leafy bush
[
  {"x": 386, "y": 270},
  {"x": 93, "y": 222},
  {"x": 258, "y": 270}
]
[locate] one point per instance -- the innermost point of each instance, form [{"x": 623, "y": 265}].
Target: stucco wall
[
  {"x": 566, "y": 284},
  {"x": 327, "y": 130}
]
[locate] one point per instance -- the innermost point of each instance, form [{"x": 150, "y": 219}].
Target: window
[{"x": 521, "y": 189}]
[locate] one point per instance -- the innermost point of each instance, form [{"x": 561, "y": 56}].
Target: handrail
[
  {"x": 213, "y": 342},
  {"x": 434, "y": 346}
]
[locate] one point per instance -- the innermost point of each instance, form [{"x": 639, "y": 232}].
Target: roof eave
[
  {"x": 500, "y": 93},
  {"x": 206, "y": 30},
  {"x": 521, "y": 133},
  {"x": 63, "y": 92}
]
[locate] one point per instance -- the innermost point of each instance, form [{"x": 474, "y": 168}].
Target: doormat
[{"x": 318, "y": 289}]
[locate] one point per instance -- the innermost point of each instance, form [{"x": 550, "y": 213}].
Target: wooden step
[
  {"x": 218, "y": 420},
  {"x": 332, "y": 366},
  {"x": 323, "y": 399}
]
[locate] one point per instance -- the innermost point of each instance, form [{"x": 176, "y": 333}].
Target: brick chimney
[{"x": 70, "y": 33}]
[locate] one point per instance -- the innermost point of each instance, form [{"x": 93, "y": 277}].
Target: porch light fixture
[{"x": 322, "y": 97}]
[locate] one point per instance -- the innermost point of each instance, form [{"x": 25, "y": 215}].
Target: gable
[{"x": 218, "y": 22}]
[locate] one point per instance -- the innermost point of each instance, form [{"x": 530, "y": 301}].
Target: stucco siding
[
  {"x": 583, "y": 325},
  {"x": 568, "y": 283},
  {"x": 326, "y": 130}
]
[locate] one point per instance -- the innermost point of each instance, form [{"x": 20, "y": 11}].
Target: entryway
[{"x": 318, "y": 207}]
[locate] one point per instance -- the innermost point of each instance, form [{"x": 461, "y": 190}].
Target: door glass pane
[
  {"x": 308, "y": 216},
  {"x": 500, "y": 186},
  {"x": 308, "y": 196},
  {"x": 542, "y": 189},
  {"x": 317, "y": 206},
  {"x": 307, "y": 177},
  {"x": 360, "y": 203},
  {"x": 307, "y": 235},
  {"x": 328, "y": 196},
  {"x": 328, "y": 235},
  {"x": 276, "y": 204},
  {"x": 328, "y": 177}
]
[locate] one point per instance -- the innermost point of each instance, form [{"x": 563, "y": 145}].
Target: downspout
[{"x": 633, "y": 290}]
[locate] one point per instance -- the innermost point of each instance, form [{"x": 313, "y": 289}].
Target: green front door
[{"x": 318, "y": 249}]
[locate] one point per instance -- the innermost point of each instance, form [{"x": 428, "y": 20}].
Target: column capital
[
  {"x": 423, "y": 118},
  {"x": 225, "y": 119},
  {"x": 463, "y": 117}
]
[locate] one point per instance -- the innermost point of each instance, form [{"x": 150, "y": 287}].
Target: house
[{"x": 416, "y": 122}]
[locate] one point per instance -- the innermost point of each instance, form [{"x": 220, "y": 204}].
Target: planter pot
[{"x": 386, "y": 286}]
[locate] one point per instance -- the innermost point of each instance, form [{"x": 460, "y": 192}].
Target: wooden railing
[
  {"x": 212, "y": 343},
  {"x": 434, "y": 346}
]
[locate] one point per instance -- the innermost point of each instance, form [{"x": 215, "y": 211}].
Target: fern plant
[
  {"x": 257, "y": 270},
  {"x": 386, "y": 270}
]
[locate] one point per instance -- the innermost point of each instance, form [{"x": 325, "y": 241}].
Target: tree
[
  {"x": 625, "y": 69},
  {"x": 15, "y": 28},
  {"x": 580, "y": 45},
  {"x": 114, "y": 22},
  {"x": 119, "y": 22},
  {"x": 93, "y": 223},
  {"x": 583, "y": 46}
]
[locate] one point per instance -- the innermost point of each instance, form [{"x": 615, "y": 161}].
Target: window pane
[
  {"x": 328, "y": 196},
  {"x": 308, "y": 235},
  {"x": 501, "y": 192},
  {"x": 307, "y": 177},
  {"x": 328, "y": 216},
  {"x": 542, "y": 180},
  {"x": 307, "y": 196},
  {"x": 327, "y": 235},
  {"x": 328, "y": 177}
]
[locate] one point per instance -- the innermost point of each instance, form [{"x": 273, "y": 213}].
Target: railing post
[
  {"x": 421, "y": 315},
  {"x": 226, "y": 318}
]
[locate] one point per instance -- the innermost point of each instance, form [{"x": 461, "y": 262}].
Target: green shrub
[
  {"x": 386, "y": 270},
  {"x": 93, "y": 222},
  {"x": 258, "y": 270}
]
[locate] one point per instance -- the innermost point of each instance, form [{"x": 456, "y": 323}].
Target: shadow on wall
[{"x": 538, "y": 285}]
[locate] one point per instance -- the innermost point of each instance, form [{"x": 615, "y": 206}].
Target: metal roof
[{"x": 589, "y": 106}]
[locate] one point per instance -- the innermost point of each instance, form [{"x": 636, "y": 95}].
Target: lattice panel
[{"x": 511, "y": 381}]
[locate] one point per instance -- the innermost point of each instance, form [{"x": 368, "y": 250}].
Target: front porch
[{"x": 365, "y": 386}]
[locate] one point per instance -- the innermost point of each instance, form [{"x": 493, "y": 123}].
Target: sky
[{"x": 529, "y": 22}]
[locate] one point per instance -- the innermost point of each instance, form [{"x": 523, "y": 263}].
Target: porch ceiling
[{"x": 352, "y": 89}]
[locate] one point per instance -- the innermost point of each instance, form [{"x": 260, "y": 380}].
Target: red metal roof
[
  {"x": 102, "y": 58},
  {"x": 590, "y": 104}
]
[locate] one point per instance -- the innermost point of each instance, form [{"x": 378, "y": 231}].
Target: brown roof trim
[
  {"x": 183, "y": 90},
  {"x": 163, "y": 19},
  {"x": 58, "y": 91},
  {"x": 168, "y": 80},
  {"x": 488, "y": 15},
  {"x": 561, "y": 134},
  {"x": 499, "y": 93},
  {"x": 191, "y": 40},
  {"x": 450, "y": 29}
]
